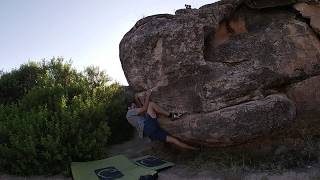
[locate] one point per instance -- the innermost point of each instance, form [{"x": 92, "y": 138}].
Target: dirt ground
[{"x": 138, "y": 147}]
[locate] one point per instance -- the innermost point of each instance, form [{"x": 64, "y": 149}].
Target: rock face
[
  {"x": 236, "y": 69},
  {"x": 312, "y": 12}
]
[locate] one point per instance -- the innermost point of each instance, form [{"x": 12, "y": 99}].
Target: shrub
[
  {"x": 17, "y": 83},
  {"x": 51, "y": 115}
]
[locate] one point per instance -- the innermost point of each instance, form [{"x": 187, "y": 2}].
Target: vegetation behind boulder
[{"x": 50, "y": 115}]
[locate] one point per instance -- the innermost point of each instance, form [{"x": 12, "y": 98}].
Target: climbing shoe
[{"x": 174, "y": 116}]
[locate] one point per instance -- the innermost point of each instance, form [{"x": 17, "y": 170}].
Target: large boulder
[
  {"x": 224, "y": 67},
  {"x": 312, "y": 12}
]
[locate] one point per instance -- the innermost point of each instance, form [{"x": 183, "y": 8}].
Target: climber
[{"x": 147, "y": 123}]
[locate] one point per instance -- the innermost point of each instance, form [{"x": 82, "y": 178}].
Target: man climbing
[{"x": 148, "y": 125}]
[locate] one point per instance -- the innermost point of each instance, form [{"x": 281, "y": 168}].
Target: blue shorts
[{"x": 153, "y": 130}]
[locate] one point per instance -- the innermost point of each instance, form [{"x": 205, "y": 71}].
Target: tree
[{"x": 50, "y": 115}]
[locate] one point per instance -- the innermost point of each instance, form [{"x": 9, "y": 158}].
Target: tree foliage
[{"x": 51, "y": 115}]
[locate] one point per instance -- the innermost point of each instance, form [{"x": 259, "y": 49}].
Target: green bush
[
  {"x": 16, "y": 84},
  {"x": 51, "y": 115}
]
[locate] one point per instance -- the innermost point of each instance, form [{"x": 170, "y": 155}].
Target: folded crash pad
[{"x": 117, "y": 167}]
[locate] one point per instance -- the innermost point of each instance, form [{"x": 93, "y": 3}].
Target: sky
[{"x": 86, "y": 31}]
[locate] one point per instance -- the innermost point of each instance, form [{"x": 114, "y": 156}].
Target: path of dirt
[{"x": 138, "y": 147}]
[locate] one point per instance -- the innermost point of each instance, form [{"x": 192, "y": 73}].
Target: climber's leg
[
  {"x": 154, "y": 109},
  {"x": 178, "y": 143},
  {"x": 153, "y": 130}
]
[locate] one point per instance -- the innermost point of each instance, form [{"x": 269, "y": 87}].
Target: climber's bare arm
[
  {"x": 138, "y": 101},
  {"x": 145, "y": 106}
]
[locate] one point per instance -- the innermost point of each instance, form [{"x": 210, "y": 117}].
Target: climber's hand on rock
[{"x": 148, "y": 93}]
